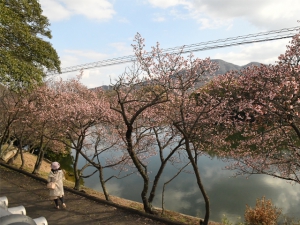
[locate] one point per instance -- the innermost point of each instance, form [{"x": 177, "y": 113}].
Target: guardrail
[{"x": 17, "y": 215}]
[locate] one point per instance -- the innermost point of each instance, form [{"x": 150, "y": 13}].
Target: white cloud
[
  {"x": 71, "y": 58},
  {"x": 266, "y": 52},
  {"x": 123, "y": 20},
  {"x": 54, "y": 10},
  {"x": 86, "y": 74},
  {"x": 173, "y": 196},
  {"x": 77, "y": 57},
  {"x": 208, "y": 23},
  {"x": 114, "y": 188},
  {"x": 57, "y": 10},
  {"x": 158, "y": 18},
  {"x": 122, "y": 48},
  {"x": 289, "y": 197},
  {"x": 178, "y": 14},
  {"x": 93, "y": 77},
  {"x": 266, "y": 15},
  {"x": 87, "y": 54},
  {"x": 167, "y": 3},
  {"x": 96, "y": 77}
]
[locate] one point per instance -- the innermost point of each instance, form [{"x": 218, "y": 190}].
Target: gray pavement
[{"x": 29, "y": 191}]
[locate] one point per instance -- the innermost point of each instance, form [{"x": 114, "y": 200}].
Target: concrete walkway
[{"x": 30, "y": 191}]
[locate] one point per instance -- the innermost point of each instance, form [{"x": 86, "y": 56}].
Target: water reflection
[{"x": 227, "y": 195}]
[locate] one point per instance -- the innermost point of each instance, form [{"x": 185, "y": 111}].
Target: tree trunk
[
  {"x": 40, "y": 156},
  {"x": 20, "y": 150},
  {"x": 5, "y": 136},
  {"x": 200, "y": 185},
  {"x": 141, "y": 170},
  {"x": 155, "y": 182},
  {"x": 76, "y": 175},
  {"x": 38, "y": 162},
  {"x": 22, "y": 158},
  {"x": 107, "y": 197},
  {"x": 160, "y": 171},
  {"x": 146, "y": 203}
]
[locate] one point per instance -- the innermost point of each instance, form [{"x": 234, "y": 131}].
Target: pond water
[{"x": 228, "y": 195}]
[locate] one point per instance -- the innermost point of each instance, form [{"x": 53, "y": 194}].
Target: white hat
[{"x": 55, "y": 165}]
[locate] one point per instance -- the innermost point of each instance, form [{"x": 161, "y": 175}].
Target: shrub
[
  {"x": 225, "y": 220},
  {"x": 264, "y": 213}
]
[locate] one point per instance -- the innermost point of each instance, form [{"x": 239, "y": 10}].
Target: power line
[{"x": 202, "y": 46}]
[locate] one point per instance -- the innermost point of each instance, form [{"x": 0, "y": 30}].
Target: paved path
[{"x": 21, "y": 189}]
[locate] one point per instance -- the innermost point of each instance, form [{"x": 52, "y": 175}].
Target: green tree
[{"x": 25, "y": 55}]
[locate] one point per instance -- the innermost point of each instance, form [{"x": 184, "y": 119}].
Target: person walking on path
[{"x": 57, "y": 176}]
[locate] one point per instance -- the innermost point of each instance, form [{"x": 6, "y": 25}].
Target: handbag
[{"x": 51, "y": 185}]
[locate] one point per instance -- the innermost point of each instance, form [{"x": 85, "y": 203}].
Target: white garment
[{"x": 57, "y": 178}]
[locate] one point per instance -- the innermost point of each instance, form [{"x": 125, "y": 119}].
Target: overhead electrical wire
[{"x": 202, "y": 46}]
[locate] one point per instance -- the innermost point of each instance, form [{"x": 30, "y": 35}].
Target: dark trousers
[{"x": 61, "y": 199}]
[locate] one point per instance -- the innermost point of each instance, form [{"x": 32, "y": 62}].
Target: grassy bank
[{"x": 30, "y": 160}]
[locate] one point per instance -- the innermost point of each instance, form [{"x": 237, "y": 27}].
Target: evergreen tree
[{"x": 25, "y": 53}]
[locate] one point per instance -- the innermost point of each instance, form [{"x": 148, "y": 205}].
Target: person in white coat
[{"x": 57, "y": 176}]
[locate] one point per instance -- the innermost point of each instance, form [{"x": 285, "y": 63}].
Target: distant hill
[
  {"x": 224, "y": 67},
  {"x": 227, "y": 66}
]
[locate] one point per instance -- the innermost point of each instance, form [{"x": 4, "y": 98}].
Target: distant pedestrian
[{"x": 57, "y": 176}]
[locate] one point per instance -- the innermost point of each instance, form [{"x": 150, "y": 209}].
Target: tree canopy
[{"x": 25, "y": 55}]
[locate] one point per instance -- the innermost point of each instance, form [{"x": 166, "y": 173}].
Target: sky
[{"x": 94, "y": 30}]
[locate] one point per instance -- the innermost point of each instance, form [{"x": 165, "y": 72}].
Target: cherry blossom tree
[
  {"x": 19, "y": 123},
  {"x": 155, "y": 91},
  {"x": 191, "y": 116},
  {"x": 74, "y": 110},
  {"x": 21, "y": 132},
  {"x": 9, "y": 101},
  {"x": 146, "y": 135},
  {"x": 135, "y": 94},
  {"x": 13, "y": 128},
  {"x": 37, "y": 124},
  {"x": 138, "y": 94},
  {"x": 65, "y": 114},
  {"x": 262, "y": 116}
]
